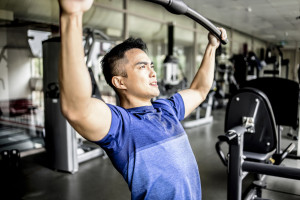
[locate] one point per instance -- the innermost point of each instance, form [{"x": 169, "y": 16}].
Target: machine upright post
[
  {"x": 60, "y": 139},
  {"x": 298, "y": 147},
  {"x": 234, "y": 182}
]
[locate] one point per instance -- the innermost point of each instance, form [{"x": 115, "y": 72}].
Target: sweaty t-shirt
[{"x": 150, "y": 148}]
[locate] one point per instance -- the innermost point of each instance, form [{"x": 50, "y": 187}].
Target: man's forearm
[
  {"x": 204, "y": 77},
  {"x": 75, "y": 83}
]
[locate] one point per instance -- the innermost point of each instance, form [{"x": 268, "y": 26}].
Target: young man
[{"x": 144, "y": 140}]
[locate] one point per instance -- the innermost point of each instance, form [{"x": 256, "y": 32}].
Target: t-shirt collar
[{"x": 142, "y": 109}]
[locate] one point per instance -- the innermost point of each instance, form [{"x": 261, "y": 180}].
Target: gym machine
[
  {"x": 225, "y": 81},
  {"x": 283, "y": 95},
  {"x": 171, "y": 68},
  {"x": 251, "y": 134},
  {"x": 277, "y": 62},
  {"x": 64, "y": 146},
  {"x": 171, "y": 64}
]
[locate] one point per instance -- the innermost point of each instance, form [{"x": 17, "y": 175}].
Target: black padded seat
[{"x": 250, "y": 102}]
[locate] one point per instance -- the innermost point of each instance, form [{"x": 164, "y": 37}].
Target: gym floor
[{"x": 97, "y": 179}]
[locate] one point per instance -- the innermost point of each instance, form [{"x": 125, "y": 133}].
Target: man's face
[{"x": 141, "y": 78}]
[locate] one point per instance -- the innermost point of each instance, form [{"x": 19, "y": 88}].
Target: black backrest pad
[
  {"x": 283, "y": 95},
  {"x": 243, "y": 104}
]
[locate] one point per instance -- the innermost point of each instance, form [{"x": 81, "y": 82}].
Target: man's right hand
[{"x": 75, "y": 6}]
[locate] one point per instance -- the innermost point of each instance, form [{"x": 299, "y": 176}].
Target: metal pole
[
  {"x": 234, "y": 182},
  {"x": 278, "y": 150},
  {"x": 298, "y": 147},
  {"x": 125, "y": 20},
  {"x": 272, "y": 170},
  {"x": 195, "y": 50}
]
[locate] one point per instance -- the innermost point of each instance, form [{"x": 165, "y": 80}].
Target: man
[{"x": 144, "y": 140}]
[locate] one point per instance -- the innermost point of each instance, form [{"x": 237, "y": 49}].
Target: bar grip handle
[{"x": 220, "y": 152}]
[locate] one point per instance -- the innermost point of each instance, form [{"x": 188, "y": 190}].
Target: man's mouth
[{"x": 153, "y": 84}]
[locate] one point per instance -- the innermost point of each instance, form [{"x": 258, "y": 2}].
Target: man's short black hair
[{"x": 109, "y": 61}]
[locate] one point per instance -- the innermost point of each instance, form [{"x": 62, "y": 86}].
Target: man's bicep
[
  {"x": 192, "y": 99},
  {"x": 95, "y": 122}
]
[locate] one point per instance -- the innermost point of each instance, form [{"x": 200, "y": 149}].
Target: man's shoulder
[{"x": 118, "y": 111}]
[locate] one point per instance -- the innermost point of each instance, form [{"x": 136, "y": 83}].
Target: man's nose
[{"x": 152, "y": 72}]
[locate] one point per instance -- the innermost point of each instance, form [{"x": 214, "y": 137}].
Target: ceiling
[{"x": 269, "y": 20}]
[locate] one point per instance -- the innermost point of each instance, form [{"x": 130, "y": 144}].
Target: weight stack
[{"x": 60, "y": 137}]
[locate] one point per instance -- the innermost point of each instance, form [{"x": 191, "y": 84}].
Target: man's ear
[{"x": 118, "y": 82}]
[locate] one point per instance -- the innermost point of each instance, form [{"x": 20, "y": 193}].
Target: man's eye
[{"x": 143, "y": 66}]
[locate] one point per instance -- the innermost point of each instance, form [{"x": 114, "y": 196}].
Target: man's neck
[{"x": 133, "y": 102}]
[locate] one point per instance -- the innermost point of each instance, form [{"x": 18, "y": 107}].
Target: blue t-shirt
[{"x": 150, "y": 148}]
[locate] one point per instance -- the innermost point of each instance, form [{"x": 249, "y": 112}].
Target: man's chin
[
  {"x": 155, "y": 95},
  {"x": 158, "y": 93}
]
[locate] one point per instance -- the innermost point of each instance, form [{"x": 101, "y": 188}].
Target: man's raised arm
[
  {"x": 89, "y": 116},
  {"x": 203, "y": 80}
]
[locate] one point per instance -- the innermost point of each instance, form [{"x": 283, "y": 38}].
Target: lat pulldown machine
[{"x": 251, "y": 134}]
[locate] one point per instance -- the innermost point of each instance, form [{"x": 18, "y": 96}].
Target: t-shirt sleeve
[
  {"x": 113, "y": 141},
  {"x": 177, "y": 105}
]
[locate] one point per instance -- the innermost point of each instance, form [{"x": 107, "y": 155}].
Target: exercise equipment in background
[
  {"x": 251, "y": 135},
  {"x": 64, "y": 146},
  {"x": 283, "y": 95},
  {"x": 171, "y": 83},
  {"x": 275, "y": 63}
]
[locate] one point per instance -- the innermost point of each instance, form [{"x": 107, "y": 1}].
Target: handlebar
[
  {"x": 229, "y": 137},
  {"x": 220, "y": 153},
  {"x": 178, "y": 7}
]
